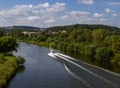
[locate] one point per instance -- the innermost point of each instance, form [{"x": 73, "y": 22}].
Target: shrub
[
  {"x": 20, "y": 60},
  {"x": 117, "y": 58},
  {"x": 104, "y": 53},
  {"x": 8, "y": 44},
  {"x": 70, "y": 48},
  {"x": 2, "y": 59},
  {"x": 90, "y": 50}
]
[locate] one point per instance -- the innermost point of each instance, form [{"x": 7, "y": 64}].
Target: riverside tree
[{"x": 8, "y": 44}]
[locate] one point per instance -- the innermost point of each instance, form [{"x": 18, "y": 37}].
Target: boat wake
[{"x": 70, "y": 65}]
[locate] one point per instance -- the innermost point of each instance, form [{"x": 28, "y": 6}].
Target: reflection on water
[{"x": 21, "y": 69}]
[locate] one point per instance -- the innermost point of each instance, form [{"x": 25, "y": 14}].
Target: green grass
[{"x": 8, "y": 67}]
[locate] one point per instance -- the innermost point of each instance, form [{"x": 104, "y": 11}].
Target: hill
[
  {"x": 85, "y": 26},
  {"x": 21, "y": 28}
]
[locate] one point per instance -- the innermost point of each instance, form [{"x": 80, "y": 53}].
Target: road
[{"x": 91, "y": 76}]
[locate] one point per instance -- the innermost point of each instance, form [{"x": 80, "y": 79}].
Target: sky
[{"x": 48, "y": 13}]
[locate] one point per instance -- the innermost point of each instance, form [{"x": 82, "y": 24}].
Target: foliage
[
  {"x": 2, "y": 59},
  {"x": 113, "y": 42},
  {"x": 15, "y": 33},
  {"x": 104, "y": 53},
  {"x": 7, "y": 44},
  {"x": 20, "y": 60},
  {"x": 98, "y": 36},
  {"x": 8, "y": 63},
  {"x": 1, "y": 33},
  {"x": 117, "y": 58},
  {"x": 7, "y": 69},
  {"x": 96, "y": 41},
  {"x": 70, "y": 48},
  {"x": 90, "y": 50}
]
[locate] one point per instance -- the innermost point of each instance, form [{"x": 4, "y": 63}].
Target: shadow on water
[{"x": 21, "y": 69}]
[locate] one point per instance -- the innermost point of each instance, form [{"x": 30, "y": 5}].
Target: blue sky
[{"x": 47, "y": 13}]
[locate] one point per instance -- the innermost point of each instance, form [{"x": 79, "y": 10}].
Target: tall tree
[
  {"x": 7, "y": 44},
  {"x": 98, "y": 36},
  {"x": 1, "y": 32}
]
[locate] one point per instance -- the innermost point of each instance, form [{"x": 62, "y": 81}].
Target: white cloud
[
  {"x": 78, "y": 13},
  {"x": 114, "y": 3},
  {"x": 114, "y": 14},
  {"x": 36, "y": 15},
  {"x": 98, "y": 15},
  {"x": 49, "y": 21},
  {"x": 57, "y": 7},
  {"x": 75, "y": 17},
  {"x": 103, "y": 19},
  {"x": 108, "y": 10},
  {"x": 111, "y": 12},
  {"x": 46, "y": 14},
  {"x": 31, "y": 18},
  {"x": 89, "y": 2},
  {"x": 44, "y": 5},
  {"x": 64, "y": 17}
]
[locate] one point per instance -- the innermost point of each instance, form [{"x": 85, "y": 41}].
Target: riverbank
[{"x": 9, "y": 65}]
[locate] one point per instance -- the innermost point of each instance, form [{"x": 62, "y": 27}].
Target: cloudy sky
[{"x": 47, "y": 13}]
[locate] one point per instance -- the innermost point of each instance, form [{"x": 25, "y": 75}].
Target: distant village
[{"x": 29, "y": 33}]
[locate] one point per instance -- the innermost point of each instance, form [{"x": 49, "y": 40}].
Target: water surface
[{"x": 41, "y": 71}]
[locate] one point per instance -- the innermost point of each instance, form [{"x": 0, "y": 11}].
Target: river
[{"x": 41, "y": 71}]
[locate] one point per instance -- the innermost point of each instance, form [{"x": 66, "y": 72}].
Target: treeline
[
  {"x": 20, "y": 28},
  {"x": 8, "y": 63},
  {"x": 100, "y": 42},
  {"x": 85, "y": 26}
]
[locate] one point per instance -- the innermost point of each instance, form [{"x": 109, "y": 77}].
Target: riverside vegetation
[
  {"x": 8, "y": 63},
  {"x": 100, "y": 42}
]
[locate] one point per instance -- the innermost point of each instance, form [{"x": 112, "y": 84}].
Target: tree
[
  {"x": 113, "y": 42},
  {"x": 98, "y": 36},
  {"x": 104, "y": 53},
  {"x": 7, "y": 44},
  {"x": 20, "y": 60},
  {"x": 117, "y": 58},
  {"x": 15, "y": 33},
  {"x": 76, "y": 36},
  {"x": 90, "y": 50},
  {"x": 70, "y": 48},
  {"x": 1, "y": 33}
]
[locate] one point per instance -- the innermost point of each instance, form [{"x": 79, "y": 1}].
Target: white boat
[{"x": 52, "y": 54}]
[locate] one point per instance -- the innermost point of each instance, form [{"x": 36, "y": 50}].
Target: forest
[{"x": 100, "y": 42}]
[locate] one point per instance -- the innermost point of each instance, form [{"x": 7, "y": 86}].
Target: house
[
  {"x": 30, "y": 33},
  {"x": 25, "y": 33},
  {"x": 63, "y": 31},
  {"x": 52, "y": 33}
]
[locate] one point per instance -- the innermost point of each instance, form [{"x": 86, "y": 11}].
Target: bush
[
  {"x": 8, "y": 44},
  {"x": 90, "y": 50},
  {"x": 117, "y": 58},
  {"x": 2, "y": 59},
  {"x": 20, "y": 60},
  {"x": 104, "y": 53},
  {"x": 70, "y": 48},
  {"x": 52, "y": 44},
  {"x": 7, "y": 69}
]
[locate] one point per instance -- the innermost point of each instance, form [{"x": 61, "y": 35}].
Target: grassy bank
[{"x": 8, "y": 67}]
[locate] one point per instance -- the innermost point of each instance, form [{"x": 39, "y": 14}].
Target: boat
[{"x": 52, "y": 54}]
